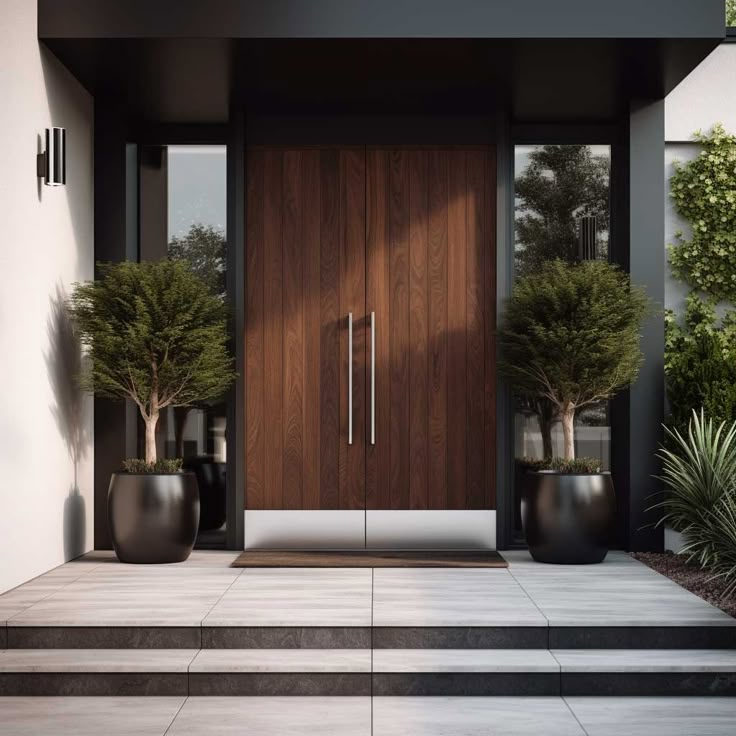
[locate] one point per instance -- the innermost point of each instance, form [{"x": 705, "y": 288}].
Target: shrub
[
  {"x": 576, "y": 465},
  {"x": 156, "y": 335},
  {"x": 161, "y": 465},
  {"x": 698, "y": 473},
  {"x": 561, "y": 465},
  {"x": 570, "y": 335},
  {"x": 700, "y": 364}
]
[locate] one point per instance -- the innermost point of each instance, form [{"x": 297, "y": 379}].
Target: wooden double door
[{"x": 370, "y": 317}]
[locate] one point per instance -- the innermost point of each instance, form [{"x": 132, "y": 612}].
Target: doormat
[{"x": 368, "y": 558}]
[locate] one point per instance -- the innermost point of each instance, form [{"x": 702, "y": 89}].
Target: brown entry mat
[{"x": 361, "y": 558}]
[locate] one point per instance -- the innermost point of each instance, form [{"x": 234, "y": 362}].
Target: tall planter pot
[
  {"x": 567, "y": 517},
  {"x": 153, "y": 517}
]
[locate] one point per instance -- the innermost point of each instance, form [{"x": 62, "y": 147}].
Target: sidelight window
[
  {"x": 562, "y": 210},
  {"x": 182, "y": 215}
]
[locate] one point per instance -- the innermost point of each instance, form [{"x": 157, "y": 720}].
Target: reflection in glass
[
  {"x": 562, "y": 195},
  {"x": 183, "y": 210},
  {"x": 562, "y": 210}
]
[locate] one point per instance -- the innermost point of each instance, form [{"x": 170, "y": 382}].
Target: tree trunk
[
  {"x": 567, "y": 417},
  {"x": 546, "y": 415},
  {"x": 545, "y": 427},
  {"x": 151, "y": 422}
]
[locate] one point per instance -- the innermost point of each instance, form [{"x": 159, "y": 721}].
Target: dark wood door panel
[
  {"x": 430, "y": 278},
  {"x": 305, "y": 261},
  {"x": 410, "y": 234}
]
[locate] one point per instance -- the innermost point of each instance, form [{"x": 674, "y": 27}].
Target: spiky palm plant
[
  {"x": 699, "y": 478},
  {"x": 723, "y": 542}
]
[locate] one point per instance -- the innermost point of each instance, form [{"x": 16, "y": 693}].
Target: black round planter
[
  {"x": 212, "y": 482},
  {"x": 153, "y": 516},
  {"x": 568, "y": 517}
]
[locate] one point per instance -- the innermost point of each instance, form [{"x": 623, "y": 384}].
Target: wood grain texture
[
  {"x": 399, "y": 345},
  {"x": 273, "y": 282},
  {"x": 418, "y": 314},
  {"x": 293, "y": 336},
  {"x": 429, "y": 254},
  {"x": 254, "y": 369},
  {"x": 489, "y": 330},
  {"x": 456, "y": 331},
  {"x": 352, "y": 299},
  {"x": 330, "y": 332},
  {"x": 410, "y": 234},
  {"x": 475, "y": 342},
  {"x": 378, "y": 279},
  {"x": 312, "y": 348},
  {"x": 437, "y": 330},
  {"x": 306, "y": 253}
]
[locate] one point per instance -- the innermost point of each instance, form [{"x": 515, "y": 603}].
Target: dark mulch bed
[{"x": 691, "y": 577}]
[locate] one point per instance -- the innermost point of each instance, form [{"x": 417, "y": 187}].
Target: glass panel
[
  {"x": 562, "y": 210},
  {"x": 183, "y": 214}
]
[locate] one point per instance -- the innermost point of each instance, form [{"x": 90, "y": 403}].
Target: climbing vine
[{"x": 704, "y": 193}]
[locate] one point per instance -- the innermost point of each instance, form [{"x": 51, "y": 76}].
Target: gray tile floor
[
  {"x": 233, "y": 716},
  {"x": 620, "y": 592},
  {"x": 97, "y": 590}
]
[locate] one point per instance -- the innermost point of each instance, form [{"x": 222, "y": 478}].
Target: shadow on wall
[
  {"x": 71, "y": 107},
  {"x": 64, "y": 364}
]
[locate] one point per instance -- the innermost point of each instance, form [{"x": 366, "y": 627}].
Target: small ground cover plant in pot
[
  {"x": 156, "y": 335},
  {"x": 570, "y": 339}
]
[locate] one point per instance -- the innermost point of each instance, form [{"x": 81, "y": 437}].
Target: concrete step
[
  {"x": 361, "y": 672},
  {"x": 502, "y": 636}
]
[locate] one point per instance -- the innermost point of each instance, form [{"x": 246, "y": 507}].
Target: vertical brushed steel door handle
[
  {"x": 373, "y": 378},
  {"x": 350, "y": 378}
]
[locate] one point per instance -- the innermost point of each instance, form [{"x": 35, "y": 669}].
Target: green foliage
[
  {"x": 577, "y": 465},
  {"x": 731, "y": 12},
  {"x": 154, "y": 334},
  {"x": 700, "y": 363},
  {"x": 570, "y": 333},
  {"x": 704, "y": 192},
  {"x": 698, "y": 473},
  {"x": 138, "y": 466},
  {"x": 203, "y": 248},
  {"x": 559, "y": 185}
]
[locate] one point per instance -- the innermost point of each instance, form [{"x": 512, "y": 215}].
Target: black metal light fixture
[
  {"x": 588, "y": 238},
  {"x": 51, "y": 164}
]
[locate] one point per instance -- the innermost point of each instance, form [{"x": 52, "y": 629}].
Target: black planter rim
[
  {"x": 140, "y": 475},
  {"x": 562, "y": 473}
]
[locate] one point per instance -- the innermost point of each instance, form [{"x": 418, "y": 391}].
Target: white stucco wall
[
  {"x": 707, "y": 96},
  {"x": 46, "y": 244}
]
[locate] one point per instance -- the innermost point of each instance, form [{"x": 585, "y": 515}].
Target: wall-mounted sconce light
[{"x": 51, "y": 164}]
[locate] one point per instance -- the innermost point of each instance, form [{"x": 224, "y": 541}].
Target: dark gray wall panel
[
  {"x": 381, "y": 18},
  {"x": 647, "y": 267}
]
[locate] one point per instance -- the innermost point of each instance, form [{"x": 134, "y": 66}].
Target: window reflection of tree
[
  {"x": 204, "y": 248},
  {"x": 559, "y": 185}
]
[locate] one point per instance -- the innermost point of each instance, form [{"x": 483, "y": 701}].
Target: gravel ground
[{"x": 691, "y": 577}]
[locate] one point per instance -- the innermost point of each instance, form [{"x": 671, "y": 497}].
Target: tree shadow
[{"x": 64, "y": 364}]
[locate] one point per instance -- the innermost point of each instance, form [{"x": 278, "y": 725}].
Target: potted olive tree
[
  {"x": 570, "y": 337},
  {"x": 156, "y": 335}
]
